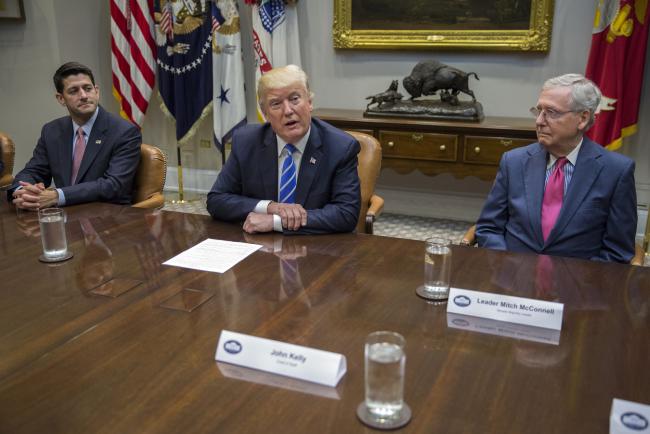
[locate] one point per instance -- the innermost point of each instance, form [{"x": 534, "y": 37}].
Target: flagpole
[{"x": 180, "y": 175}]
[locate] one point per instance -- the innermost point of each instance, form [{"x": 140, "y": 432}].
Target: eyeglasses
[{"x": 548, "y": 113}]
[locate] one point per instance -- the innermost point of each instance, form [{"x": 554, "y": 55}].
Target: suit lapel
[
  {"x": 534, "y": 169},
  {"x": 95, "y": 142},
  {"x": 585, "y": 173},
  {"x": 309, "y": 165},
  {"x": 269, "y": 164},
  {"x": 65, "y": 151}
]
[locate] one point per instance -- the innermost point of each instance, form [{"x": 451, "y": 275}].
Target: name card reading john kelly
[
  {"x": 295, "y": 361},
  {"x": 517, "y": 310}
]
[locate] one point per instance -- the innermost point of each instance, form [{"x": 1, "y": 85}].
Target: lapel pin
[
  {"x": 312, "y": 160},
  {"x": 98, "y": 142}
]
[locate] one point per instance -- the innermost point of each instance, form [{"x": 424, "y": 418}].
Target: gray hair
[
  {"x": 585, "y": 95},
  {"x": 278, "y": 78}
]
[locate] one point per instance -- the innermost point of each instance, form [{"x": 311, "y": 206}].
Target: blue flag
[{"x": 184, "y": 39}]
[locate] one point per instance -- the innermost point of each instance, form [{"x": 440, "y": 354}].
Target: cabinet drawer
[
  {"x": 488, "y": 150},
  {"x": 419, "y": 146}
]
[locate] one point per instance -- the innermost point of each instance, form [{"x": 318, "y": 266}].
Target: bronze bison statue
[{"x": 431, "y": 76}]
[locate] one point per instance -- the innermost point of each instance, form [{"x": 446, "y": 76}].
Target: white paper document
[
  {"x": 629, "y": 417},
  {"x": 217, "y": 256},
  {"x": 304, "y": 363}
]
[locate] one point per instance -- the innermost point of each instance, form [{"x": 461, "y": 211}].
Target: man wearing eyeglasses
[
  {"x": 293, "y": 174},
  {"x": 564, "y": 195}
]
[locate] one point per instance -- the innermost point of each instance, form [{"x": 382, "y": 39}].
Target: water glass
[
  {"x": 52, "y": 223},
  {"x": 384, "y": 362},
  {"x": 437, "y": 268}
]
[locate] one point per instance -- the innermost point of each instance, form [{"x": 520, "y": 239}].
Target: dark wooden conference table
[{"x": 73, "y": 361}]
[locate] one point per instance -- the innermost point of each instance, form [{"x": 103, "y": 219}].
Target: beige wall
[{"x": 59, "y": 30}]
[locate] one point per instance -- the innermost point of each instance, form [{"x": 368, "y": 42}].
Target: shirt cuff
[
  {"x": 261, "y": 207},
  {"x": 277, "y": 223},
  {"x": 61, "y": 200}
]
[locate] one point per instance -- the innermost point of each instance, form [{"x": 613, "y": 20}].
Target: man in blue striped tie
[{"x": 293, "y": 174}]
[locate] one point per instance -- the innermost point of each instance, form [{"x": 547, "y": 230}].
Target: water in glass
[
  {"x": 384, "y": 379},
  {"x": 53, "y": 235},
  {"x": 437, "y": 267}
]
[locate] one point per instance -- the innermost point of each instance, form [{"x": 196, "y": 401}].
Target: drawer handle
[
  {"x": 443, "y": 147},
  {"x": 477, "y": 150},
  {"x": 506, "y": 142},
  {"x": 417, "y": 137},
  {"x": 391, "y": 144}
]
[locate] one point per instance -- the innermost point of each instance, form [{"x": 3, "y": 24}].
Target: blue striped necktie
[{"x": 288, "y": 177}]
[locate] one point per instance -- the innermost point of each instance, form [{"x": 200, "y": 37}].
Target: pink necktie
[
  {"x": 553, "y": 196},
  {"x": 79, "y": 149}
]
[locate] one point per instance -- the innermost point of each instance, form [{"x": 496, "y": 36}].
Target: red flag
[
  {"x": 616, "y": 60},
  {"x": 133, "y": 56}
]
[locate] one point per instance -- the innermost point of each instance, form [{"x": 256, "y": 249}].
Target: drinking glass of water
[
  {"x": 385, "y": 360},
  {"x": 55, "y": 245},
  {"x": 437, "y": 269}
]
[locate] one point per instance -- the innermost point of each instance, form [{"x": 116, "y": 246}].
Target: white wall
[{"x": 508, "y": 86}]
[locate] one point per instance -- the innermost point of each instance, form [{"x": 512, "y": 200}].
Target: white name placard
[
  {"x": 506, "y": 308},
  {"x": 629, "y": 417},
  {"x": 309, "y": 364}
]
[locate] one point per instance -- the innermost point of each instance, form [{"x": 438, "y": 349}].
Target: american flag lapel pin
[
  {"x": 98, "y": 142},
  {"x": 312, "y": 160}
]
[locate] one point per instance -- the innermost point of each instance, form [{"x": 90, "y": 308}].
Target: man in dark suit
[
  {"x": 293, "y": 174},
  {"x": 564, "y": 195},
  {"x": 91, "y": 155}
]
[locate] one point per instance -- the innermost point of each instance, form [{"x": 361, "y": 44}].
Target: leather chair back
[
  {"x": 150, "y": 178},
  {"x": 8, "y": 155},
  {"x": 368, "y": 169}
]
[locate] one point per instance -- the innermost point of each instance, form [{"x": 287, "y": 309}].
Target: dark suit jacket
[
  {"x": 598, "y": 216},
  {"x": 108, "y": 167},
  {"x": 327, "y": 186}
]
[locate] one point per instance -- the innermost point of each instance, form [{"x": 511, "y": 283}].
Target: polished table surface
[{"x": 75, "y": 362}]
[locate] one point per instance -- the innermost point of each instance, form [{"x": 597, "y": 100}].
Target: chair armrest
[
  {"x": 6, "y": 181},
  {"x": 469, "y": 239},
  {"x": 157, "y": 200},
  {"x": 375, "y": 208},
  {"x": 639, "y": 255}
]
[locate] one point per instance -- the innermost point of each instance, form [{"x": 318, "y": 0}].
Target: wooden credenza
[{"x": 436, "y": 147}]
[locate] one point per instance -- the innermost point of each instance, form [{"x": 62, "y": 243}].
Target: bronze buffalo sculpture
[{"x": 431, "y": 76}]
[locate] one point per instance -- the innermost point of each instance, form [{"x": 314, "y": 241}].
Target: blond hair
[{"x": 278, "y": 78}]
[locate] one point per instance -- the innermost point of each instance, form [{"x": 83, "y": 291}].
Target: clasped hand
[
  {"x": 34, "y": 196},
  {"x": 293, "y": 217}
]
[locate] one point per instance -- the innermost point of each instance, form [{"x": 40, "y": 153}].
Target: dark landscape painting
[{"x": 441, "y": 14}]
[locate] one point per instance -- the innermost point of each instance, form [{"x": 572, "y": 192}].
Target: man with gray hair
[
  {"x": 564, "y": 195},
  {"x": 293, "y": 174}
]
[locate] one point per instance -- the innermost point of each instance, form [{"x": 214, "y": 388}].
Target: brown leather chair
[
  {"x": 469, "y": 239},
  {"x": 8, "y": 156},
  {"x": 150, "y": 178},
  {"x": 368, "y": 169},
  {"x": 640, "y": 250}
]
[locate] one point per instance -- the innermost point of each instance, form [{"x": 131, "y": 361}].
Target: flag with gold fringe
[
  {"x": 229, "y": 102},
  {"x": 276, "y": 41},
  {"x": 616, "y": 61},
  {"x": 184, "y": 40}
]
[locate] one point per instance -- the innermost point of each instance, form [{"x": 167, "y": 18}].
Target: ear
[
  {"x": 584, "y": 120},
  {"x": 60, "y": 99}
]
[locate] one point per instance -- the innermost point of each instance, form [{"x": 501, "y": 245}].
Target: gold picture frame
[
  {"x": 12, "y": 10},
  {"x": 498, "y": 25}
]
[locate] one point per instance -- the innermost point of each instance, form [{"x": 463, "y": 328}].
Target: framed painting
[
  {"x": 507, "y": 25},
  {"x": 12, "y": 10}
]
